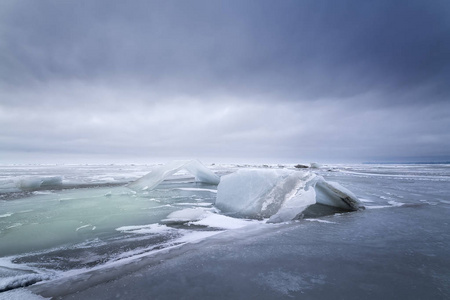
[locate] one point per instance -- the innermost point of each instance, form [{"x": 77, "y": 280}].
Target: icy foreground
[{"x": 94, "y": 238}]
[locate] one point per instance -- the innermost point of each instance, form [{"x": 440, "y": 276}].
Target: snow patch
[
  {"x": 197, "y": 189},
  {"x": 395, "y": 203},
  {"x": 13, "y": 276},
  {"x": 196, "y": 236},
  {"x": 188, "y": 215},
  {"x": 223, "y": 222},
  {"x": 20, "y": 294},
  {"x": 378, "y": 206},
  {"x": 193, "y": 204},
  {"x": 320, "y": 221},
  {"x": 365, "y": 200},
  {"x": 145, "y": 229},
  {"x": 14, "y": 225},
  {"x": 84, "y": 226}
]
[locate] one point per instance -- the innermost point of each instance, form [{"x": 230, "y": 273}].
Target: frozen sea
[{"x": 79, "y": 232}]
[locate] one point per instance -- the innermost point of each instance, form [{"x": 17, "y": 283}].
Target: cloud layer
[{"x": 225, "y": 80}]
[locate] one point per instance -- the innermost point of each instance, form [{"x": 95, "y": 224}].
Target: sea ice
[
  {"x": 395, "y": 203},
  {"x": 13, "y": 276},
  {"x": 280, "y": 195},
  {"x": 30, "y": 183},
  {"x": 315, "y": 165},
  {"x": 34, "y": 183},
  {"x": 187, "y": 215},
  {"x": 208, "y": 217},
  {"x": 20, "y": 294},
  {"x": 223, "y": 222},
  {"x": 145, "y": 229},
  {"x": 195, "y": 167}
]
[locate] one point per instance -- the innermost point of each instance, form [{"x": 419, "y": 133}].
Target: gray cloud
[{"x": 290, "y": 80}]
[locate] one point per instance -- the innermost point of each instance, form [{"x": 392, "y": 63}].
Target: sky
[{"x": 224, "y": 81}]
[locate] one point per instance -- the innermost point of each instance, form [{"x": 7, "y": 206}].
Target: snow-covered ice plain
[{"x": 263, "y": 232}]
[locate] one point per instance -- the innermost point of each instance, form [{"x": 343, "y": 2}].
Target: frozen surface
[
  {"x": 20, "y": 294},
  {"x": 154, "y": 178},
  {"x": 30, "y": 183},
  {"x": 21, "y": 180},
  {"x": 187, "y": 215},
  {"x": 205, "y": 217},
  {"x": 146, "y": 229},
  {"x": 94, "y": 238},
  {"x": 359, "y": 256},
  {"x": 222, "y": 222},
  {"x": 280, "y": 195},
  {"x": 12, "y": 276}
]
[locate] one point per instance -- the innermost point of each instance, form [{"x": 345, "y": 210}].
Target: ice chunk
[
  {"x": 35, "y": 183},
  {"x": 315, "y": 165},
  {"x": 395, "y": 203},
  {"x": 8, "y": 186},
  {"x": 294, "y": 205},
  {"x": 257, "y": 193},
  {"x": 280, "y": 195},
  {"x": 196, "y": 168},
  {"x": 333, "y": 194}
]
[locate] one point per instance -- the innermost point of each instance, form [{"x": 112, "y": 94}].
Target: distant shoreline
[{"x": 408, "y": 163}]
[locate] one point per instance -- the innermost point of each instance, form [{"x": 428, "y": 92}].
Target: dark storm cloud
[
  {"x": 319, "y": 79},
  {"x": 297, "y": 48}
]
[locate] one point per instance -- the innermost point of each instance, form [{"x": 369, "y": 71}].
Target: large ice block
[
  {"x": 280, "y": 195},
  {"x": 196, "y": 168}
]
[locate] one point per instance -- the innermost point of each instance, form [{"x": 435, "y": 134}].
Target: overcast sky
[{"x": 223, "y": 81}]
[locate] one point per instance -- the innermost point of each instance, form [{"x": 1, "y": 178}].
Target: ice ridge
[
  {"x": 33, "y": 183},
  {"x": 154, "y": 178}
]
